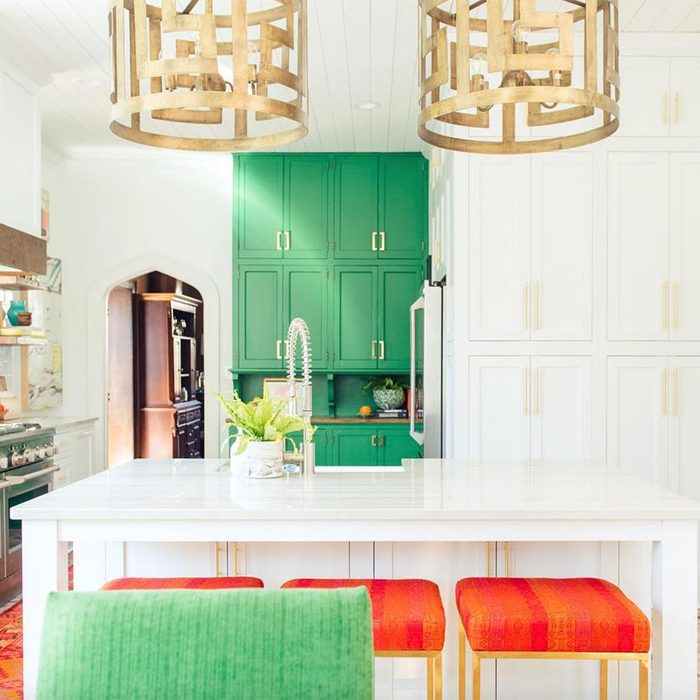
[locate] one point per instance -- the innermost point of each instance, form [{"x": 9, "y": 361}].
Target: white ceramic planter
[{"x": 262, "y": 460}]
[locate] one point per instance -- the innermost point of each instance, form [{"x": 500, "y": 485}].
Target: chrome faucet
[{"x": 299, "y": 330}]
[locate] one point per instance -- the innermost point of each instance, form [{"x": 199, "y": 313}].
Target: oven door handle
[{"x": 16, "y": 480}]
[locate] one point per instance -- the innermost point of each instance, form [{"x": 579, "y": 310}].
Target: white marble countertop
[
  {"x": 58, "y": 422},
  {"x": 423, "y": 489}
]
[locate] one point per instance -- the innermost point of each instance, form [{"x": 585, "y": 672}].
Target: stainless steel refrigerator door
[{"x": 426, "y": 371}]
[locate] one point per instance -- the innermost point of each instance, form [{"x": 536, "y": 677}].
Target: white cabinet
[
  {"x": 638, "y": 246},
  {"x": 530, "y": 408},
  {"x": 75, "y": 445},
  {"x": 659, "y": 96},
  {"x": 530, "y": 253},
  {"x": 654, "y": 246},
  {"x": 20, "y": 153}
]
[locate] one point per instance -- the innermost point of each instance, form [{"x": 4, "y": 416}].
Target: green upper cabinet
[
  {"x": 282, "y": 206},
  {"x": 356, "y": 213},
  {"x": 403, "y": 206},
  {"x": 259, "y": 201},
  {"x": 306, "y": 296},
  {"x": 307, "y": 206},
  {"x": 260, "y": 313},
  {"x": 356, "y": 309},
  {"x": 399, "y": 287}
]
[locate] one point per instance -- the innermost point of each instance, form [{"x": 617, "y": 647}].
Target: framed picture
[{"x": 277, "y": 388}]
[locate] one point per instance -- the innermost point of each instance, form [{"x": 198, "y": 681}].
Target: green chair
[{"x": 207, "y": 645}]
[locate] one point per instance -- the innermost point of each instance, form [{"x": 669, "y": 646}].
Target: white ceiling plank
[
  {"x": 628, "y": 9},
  {"x": 691, "y": 22},
  {"x": 648, "y": 15}
]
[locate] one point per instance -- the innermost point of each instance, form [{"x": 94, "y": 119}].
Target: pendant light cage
[
  {"x": 522, "y": 81},
  {"x": 211, "y": 75}
]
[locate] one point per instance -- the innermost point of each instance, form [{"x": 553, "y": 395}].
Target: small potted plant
[
  {"x": 262, "y": 426},
  {"x": 387, "y": 392}
]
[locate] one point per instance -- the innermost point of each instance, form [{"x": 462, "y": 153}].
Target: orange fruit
[{"x": 365, "y": 410}]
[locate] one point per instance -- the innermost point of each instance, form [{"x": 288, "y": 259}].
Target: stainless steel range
[{"x": 26, "y": 471}]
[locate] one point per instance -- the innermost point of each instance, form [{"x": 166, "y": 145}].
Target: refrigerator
[{"x": 426, "y": 408}]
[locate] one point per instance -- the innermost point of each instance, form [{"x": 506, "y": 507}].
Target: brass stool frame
[
  {"x": 603, "y": 657},
  {"x": 434, "y": 668}
]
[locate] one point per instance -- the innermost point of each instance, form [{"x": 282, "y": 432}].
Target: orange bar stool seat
[
  {"x": 204, "y": 583},
  {"x": 408, "y": 619},
  {"x": 546, "y": 618}
]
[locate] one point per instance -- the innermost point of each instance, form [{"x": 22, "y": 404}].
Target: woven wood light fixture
[
  {"x": 515, "y": 83},
  {"x": 187, "y": 77}
]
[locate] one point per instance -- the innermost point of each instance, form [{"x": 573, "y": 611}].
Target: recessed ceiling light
[{"x": 368, "y": 105}]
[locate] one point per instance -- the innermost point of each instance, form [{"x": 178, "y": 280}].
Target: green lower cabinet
[
  {"x": 397, "y": 444},
  {"x": 356, "y": 447},
  {"x": 324, "y": 446}
]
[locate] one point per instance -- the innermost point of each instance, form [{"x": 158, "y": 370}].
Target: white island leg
[
  {"x": 675, "y": 596},
  {"x": 44, "y": 569}
]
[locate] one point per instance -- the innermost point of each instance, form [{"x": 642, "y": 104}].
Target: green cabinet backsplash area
[{"x": 341, "y": 241}]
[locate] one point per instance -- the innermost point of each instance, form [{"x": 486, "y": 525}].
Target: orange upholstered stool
[
  {"x": 138, "y": 584},
  {"x": 547, "y": 618},
  {"x": 407, "y": 618}
]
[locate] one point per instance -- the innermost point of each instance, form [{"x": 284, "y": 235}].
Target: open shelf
[
  {"x": 21, "y": 340},
  {"x": 20, "y": 283}
]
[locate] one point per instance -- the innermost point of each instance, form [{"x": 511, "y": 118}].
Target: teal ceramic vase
[{"x": 17, "y": 306}]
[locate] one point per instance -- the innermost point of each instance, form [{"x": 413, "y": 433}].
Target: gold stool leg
[
  {"x": 431, "y": 678},
  {"x": 476, "y": 676},
  {"x": 462, "y": 663},
  {"x": 604, "y": 679},
  {"x": 438, "y": 676},
  {"x": 644, "y": 679}
]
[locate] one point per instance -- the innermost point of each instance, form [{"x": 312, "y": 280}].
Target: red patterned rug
[{"x": 11, "y": 653}]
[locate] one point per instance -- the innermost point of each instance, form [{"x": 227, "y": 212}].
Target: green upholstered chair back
[{"x": 207, "y": 645}]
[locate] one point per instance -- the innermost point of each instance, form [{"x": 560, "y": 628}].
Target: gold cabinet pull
[
  {"x": 279, "y": 240},
  {"x": 287, "y": 240},
  {"x": 382, "y": 441},
  {"x": 279, "y": 349},
  {"x": 382, "y": 245},
  {"x": 489, "y": 559},
  {"x": 676, "y": 393},
  {"x": 381, "y": 349},
  {"x": 537, "y": 306},
  {"x": 526, "y": 306},
  {"x": 676, "y": 305},
  {"x": 506, "y": 556},
  {"x": 664, "y": 391},
  {"x": 537, "y": 391},
  {"x": 373, "y": 441},
  {"x": 374, "y": 349},
  {"x": 526, "y": 391},
  {"x": 664, "y": 306},
  {"x": 374, "y": 241},
  {"x": 664, "y": 108},
  {"x": 676, "y": 107}
]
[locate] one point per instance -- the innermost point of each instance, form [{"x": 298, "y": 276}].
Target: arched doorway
[{"x": 155, "y": 369}]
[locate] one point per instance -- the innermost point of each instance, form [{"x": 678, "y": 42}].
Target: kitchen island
[{"x": 430, "y": 518}]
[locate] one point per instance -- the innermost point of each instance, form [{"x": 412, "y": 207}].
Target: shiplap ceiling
[{"x": 359, "y": 51}]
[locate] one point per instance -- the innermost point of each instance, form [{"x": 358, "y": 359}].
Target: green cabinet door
[
  {"x": 323, "y": 439},
  {"x": 306, "y": 296},
  {"x": 403, "y": 206},
  {"x": 260, "y": 317},
  {"x": 259, "y": 206},
  {"x": 307, "y": 205},
  {"x": 355, "y": 447},
  {"x": 356, "y": 302},
  {"x": 396, "y": 444},
  {"x": 399, "y": 287},
  {"x": 356, "y": 206}
]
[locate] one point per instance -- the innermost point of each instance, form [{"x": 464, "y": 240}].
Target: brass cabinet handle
[
  {"x": 382, "y": 441},
  {"x": 217, "y": 560},
  {"x": 374, "y": 349},
  {"x": 537, "y": 306},
  {"x": 676, "y": 393},
  {"x": 279, "y": 240},
  {"x": 382, "y": 245},
  {"x": 279, "y": 349},
  {"x": 526, "y": 391},
  {"x": 664, "y": 306},
  {"x": 676, "y": 108},
  {"x": 537, "y": 391},
  {"x": 664, "y": 391},
  {"x": 676, "y": 305},
  {"x": 381, "y": 349},
  {"x": 373, "y": 441},
  {"x": 374, "y": 241},
  {"x": 526, "y": 306},
  {"x": 287, "y": 240},
  {"x": 665, "y": 108},
  {"x": 506, "y": 557},
  {"x": 489, "y": 559}
]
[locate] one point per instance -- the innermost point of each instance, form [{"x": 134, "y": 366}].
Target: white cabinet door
[
  {"x": 561, "y": 408},
  {"x": 562, "y": 228},
  {"x": 685, "y": 97},
  {"x": 75, "y": 454},
  {"x": 684, "y": 422},
  {"x": 645, "y": 97},
  {"x": 638, "y": 246},
  {"x": 638, "y": 404},
  {"x": 499, "y": 407},
  {"x": 499, "y": 248},
  {"x": 685, "y": 246}
]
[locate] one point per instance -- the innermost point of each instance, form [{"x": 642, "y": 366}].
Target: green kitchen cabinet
[
  {"x": 355, "y": 318},
  {"x": 395, "y": 444},
  {"x": 324, "y": 446},
  {"x": 356, "y": 212},
  {"x": 403, "y": 206},
  {"x": 269, "y": 297},
  {"x": 259, "y": 206},
  {"x": 260, "y": 317},
  {"x": 283, "y": 206},
  {"x": 355, "y": 446}
]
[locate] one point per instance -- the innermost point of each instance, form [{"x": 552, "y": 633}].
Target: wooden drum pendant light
[
  {"x": 210, "y": 75},
  {"x": 525, "y": 81}
]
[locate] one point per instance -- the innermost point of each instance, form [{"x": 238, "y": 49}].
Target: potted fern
[{"x": 262, "y": 426}]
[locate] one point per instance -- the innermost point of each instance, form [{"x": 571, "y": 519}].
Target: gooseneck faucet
[{"x": 299, "y": 331}]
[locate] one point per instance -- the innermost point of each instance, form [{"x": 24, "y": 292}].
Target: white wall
[{"x": 114, "y": 219}]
